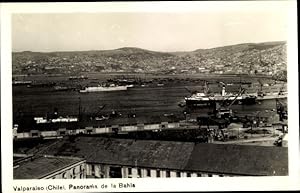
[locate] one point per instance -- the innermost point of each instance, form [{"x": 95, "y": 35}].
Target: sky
[{"x": 157, "y": 31}]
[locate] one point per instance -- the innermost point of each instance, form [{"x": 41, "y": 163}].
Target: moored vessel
[
  {"x": 202, "y": 99},
  {"x": 111, "y": 87}
]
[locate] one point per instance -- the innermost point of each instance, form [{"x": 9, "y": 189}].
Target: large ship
[
  {"x": 265, "y": 95},
  {"x": 78, "y": 77},
  {"x": 22, "y": 82},
  {"x": 202, "y": 99},
  {"x": 111, "y": 87},
  {"x": 274, "y": 95}
]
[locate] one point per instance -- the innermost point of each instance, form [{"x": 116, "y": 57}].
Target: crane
[
  {"x": 281, "y": 110},
  {"x": 222, "y": 114},
  {"x": 224, "y": 110},
  {"x": 191, "y": 92}
]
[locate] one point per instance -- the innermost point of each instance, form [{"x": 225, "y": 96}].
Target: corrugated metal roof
[
  {"x": 239, "y": 159},
  {"x": 41, "y": 166},
  {"x": 143, "y": 153},
  {"x": 215, "y": 158}
]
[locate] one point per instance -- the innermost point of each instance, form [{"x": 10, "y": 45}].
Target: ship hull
[
  {"x": 249, "y": 100},
  {"x": 270, "y": 97},
  {"x": 200, "y": 102},
  {"x": 103, "y": 89}
]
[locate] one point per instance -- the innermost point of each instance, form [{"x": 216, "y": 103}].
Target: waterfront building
[
  {"x": 49, "y": 167},
  {"x": 129, "y": 158}
]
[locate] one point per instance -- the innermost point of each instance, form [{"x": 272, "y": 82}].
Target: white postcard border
[{"x": 291, "y": 182}]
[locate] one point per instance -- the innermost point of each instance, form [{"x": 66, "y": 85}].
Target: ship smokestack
[{"x": 223, "y": 91}]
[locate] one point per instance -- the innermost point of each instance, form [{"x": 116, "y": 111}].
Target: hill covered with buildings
[{"x": 267, "y": 58}]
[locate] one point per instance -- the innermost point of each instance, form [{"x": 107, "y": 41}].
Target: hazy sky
[{"x": 154, "y": 31}]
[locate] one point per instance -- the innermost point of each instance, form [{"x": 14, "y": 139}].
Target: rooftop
[
  {"x": 143, "y": 153},
  {"x": 41, "y": 166},
  {"x": 239, "y": 159},
  {"x": 203, "y": 157}
]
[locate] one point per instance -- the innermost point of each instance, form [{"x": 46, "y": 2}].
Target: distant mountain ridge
[
  {"x": 267, "y": 44},
  {"x": 265, "y": 58}
]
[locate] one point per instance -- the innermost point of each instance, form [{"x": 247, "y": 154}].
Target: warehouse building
[
  {"x": 49, "y": 167},
  {"x": 128, "y": 158},
  {"x": 59, "y": 129}
]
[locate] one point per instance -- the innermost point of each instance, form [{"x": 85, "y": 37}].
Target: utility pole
[{"x": 79, "y": 109}]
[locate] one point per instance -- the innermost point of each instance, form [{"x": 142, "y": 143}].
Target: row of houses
[{"x": 129, "y": 158}]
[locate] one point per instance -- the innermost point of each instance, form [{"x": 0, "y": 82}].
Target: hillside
[{"x": 262, "y": 58}]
